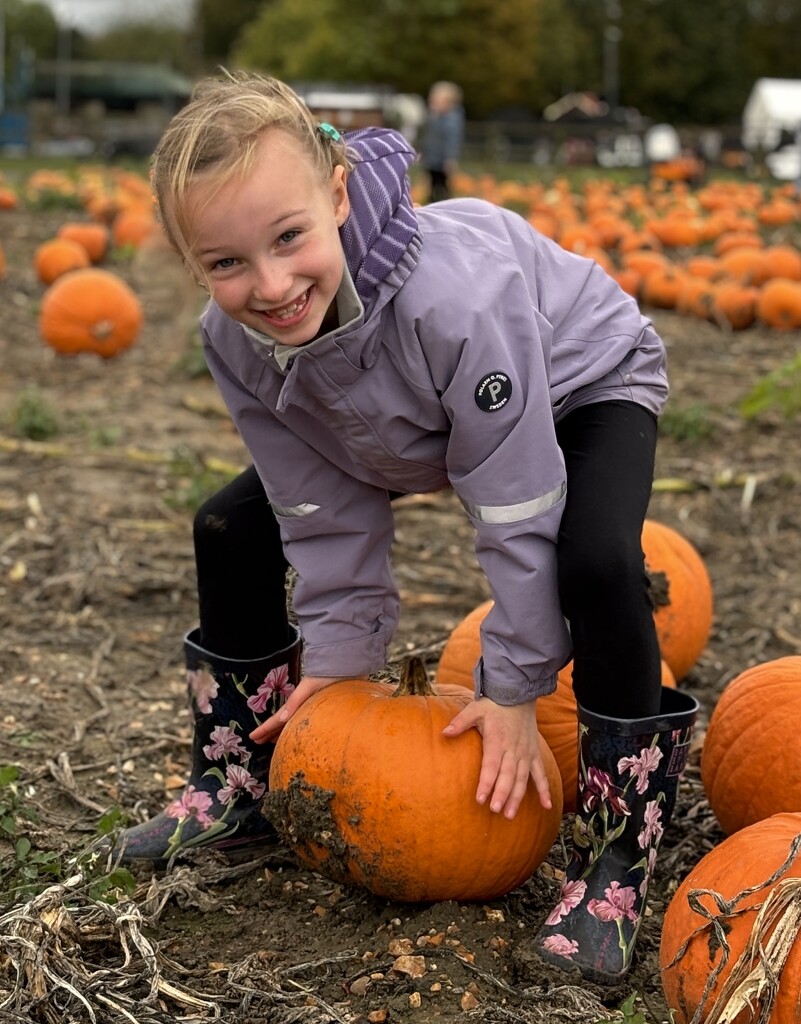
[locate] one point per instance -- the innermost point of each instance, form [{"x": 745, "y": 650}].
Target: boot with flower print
[
  {"x": 629, "y": 771},
  {"x": 220, "y": 807}
]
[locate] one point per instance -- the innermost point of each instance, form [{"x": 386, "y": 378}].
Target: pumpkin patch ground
[{"x": 101, "y": 461}]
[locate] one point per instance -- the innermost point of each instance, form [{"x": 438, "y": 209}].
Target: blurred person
[
  {"x": 367, "y": 349},
  {"x": 442, "y": 139}
]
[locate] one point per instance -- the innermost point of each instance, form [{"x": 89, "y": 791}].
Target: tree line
[{"x": 685, "y": 61}]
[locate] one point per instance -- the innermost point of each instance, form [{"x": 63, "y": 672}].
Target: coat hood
[{"x": 382, "y": 225}]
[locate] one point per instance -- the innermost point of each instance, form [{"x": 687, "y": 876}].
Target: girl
[{"x": 364, "y": 349}]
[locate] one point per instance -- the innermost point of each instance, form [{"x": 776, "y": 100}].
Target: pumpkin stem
[{"x": 414, "y": 679}]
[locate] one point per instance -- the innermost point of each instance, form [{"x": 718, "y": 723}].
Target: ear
[{"x": 339, "y": 194}]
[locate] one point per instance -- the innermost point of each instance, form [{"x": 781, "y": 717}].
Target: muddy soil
[{"x": 97, "y": 590}]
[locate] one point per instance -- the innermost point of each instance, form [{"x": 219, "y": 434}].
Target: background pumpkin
[
  {"x": 134, "y": 226},
  {"x": 742, "y": 861},
  {"x": 557, "y": 714},
  {"x": 751, "y": 758},
  {"x": 90, "y": 310},
  {"x": 58, "y": 256},
  {"x": 779, "y": 304},
  {"x": 366, "y": 790},
  {"x": 93, "y": 237},
  {"x": 682, "y": 592}
]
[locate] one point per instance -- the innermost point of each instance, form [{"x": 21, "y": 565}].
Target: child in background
[
  {"x": 443, "y": 136},
  {"x": 367, "y": 349}
]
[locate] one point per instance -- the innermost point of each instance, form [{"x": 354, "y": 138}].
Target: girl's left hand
[
  {"x": 511, "y": 755},
  {"x": 272, "y": 726}
]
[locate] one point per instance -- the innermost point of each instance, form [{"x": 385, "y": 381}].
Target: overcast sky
[{"x": 90, "y": 16}]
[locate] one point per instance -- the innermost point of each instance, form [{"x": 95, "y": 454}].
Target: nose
[{"x": 272, "y": 282}]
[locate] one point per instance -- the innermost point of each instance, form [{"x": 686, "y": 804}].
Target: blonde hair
[
  {"x": 448, "y": 91},
  {"x": 217, "y": 134}
]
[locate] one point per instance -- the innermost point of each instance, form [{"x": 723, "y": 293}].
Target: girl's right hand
[{"x": 272, "y": 726}]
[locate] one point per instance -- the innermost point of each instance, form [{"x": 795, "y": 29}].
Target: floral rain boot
[
  {"x": 629, "y": 772},
  {"x": 220, "y": 807}
]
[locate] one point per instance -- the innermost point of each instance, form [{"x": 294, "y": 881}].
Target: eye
[
  {"x": 224, "y": 264},
  {"x": 288, "y": 236}
]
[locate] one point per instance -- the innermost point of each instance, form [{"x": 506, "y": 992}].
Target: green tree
[
  {"x": 219, "y": 25},
  {"x": 500, "y": 51},
  {"x": 679, "y": 60},
  {"x": 141, "y": 41},
  {"x": 31, "y": 33}
]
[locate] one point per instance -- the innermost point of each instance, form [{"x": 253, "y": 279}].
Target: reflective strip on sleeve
[
  {"x": 294, "y": 510},
  {"x": 516, "y": 513}
]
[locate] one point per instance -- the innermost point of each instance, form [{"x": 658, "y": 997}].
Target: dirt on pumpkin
[{"x": 97, "y": 591}]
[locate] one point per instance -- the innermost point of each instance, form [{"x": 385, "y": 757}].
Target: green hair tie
[{"x": 329, "y": 131}]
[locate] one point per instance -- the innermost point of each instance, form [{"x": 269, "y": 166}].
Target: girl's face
[{"x": 269, "y": 244}]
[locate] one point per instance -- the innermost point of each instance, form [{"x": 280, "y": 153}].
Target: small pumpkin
[
  {"x": 90, "y": 310},
  {"x": 365, "y": 789},
  {"x": 557, "y": 714},
  {"x": 717, "y": 958},
  {"x": 783, "y": 260},
  {"x": 734, "y": 304},
  {"x": 9, "y": 200},
  {"x": 134, "y": 226},
  {"x": 682, "y": 593},
  {"x": 779, "y": 304},
  {"x": 58, "y": 256},
  {"x": 661, "y": 288},
  {"x": 751, "y": 758},
  {"x": 744, "y": 263},
  {"x": 92, "y": 236}
]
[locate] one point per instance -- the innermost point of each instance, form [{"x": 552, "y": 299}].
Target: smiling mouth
[{"x": 288, "y": 312}]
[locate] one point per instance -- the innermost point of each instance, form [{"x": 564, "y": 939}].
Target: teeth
[{"x": 288, "y": 311}]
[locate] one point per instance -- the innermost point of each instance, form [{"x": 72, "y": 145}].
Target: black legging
[
  {"x": 603, "y": 588},
  {"x": 241, "y": 572},
  {"x": 609, "y": 452}
]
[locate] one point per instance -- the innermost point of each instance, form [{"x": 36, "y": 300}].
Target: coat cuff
[
  {"x": 355, "y": 658},
  {"x": 506, "y": 693}
]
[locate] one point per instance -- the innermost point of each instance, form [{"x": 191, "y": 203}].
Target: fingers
[
  {"x": 460, "y": 723},
  {"x": 541, "y": 782},
  {"x": 272, "y": 726},
  {"x": 505, "y": 784},
  {"x": 510, "y": 755}
]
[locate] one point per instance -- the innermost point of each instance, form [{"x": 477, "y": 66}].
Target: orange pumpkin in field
[
  {"x": 9, "y": 200},
  {"x": 93, "y": 237},
  {"x": 90, "y": 310},
  {"x": 744, "y": 781},
  {"x": 682, "y": 593},
  {"x": 58, "y": 256},
  {"x": 779, "y": 304},
  {"x": 557, "y": 714},
  {"x": 133, "y": 227},
  {"x": 723, "y": 958},
  {"x": 365, "y": 789}
]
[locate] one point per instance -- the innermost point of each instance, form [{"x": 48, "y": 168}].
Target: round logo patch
[{"x": 493, "y": 391}]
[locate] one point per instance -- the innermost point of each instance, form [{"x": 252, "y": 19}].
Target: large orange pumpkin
[
  {"x": 557, "y": 714},
  {"x": 90, "y": 310},
  {"x": 366, "y": 789},
  {"x": 712, "y": 918},
  {"x": 682, "y": 593},
  {"x": 751, "y": 758}
]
